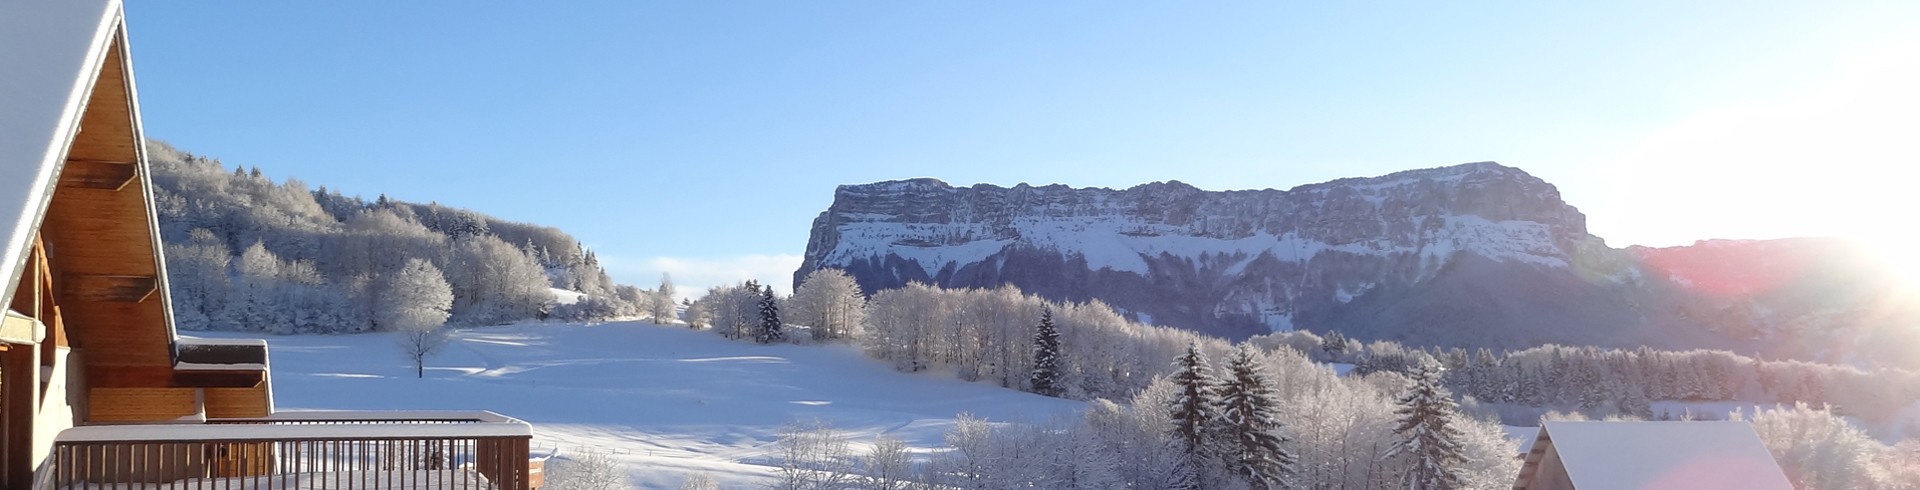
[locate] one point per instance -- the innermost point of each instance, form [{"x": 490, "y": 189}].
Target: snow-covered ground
[
  {"x": 666, "y": 400},
  {"x": 566, "y": 297}
]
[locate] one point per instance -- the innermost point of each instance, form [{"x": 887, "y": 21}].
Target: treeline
[
  {"x": 247, "y": 253},
  {"x": 1601, "y": 382},
  {"x": 1271, "y": 418},
  {"x": 1393, "y": 422}
]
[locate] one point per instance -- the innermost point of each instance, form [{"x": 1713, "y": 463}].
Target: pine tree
[
  {"x": 1046, "y": 356},
  {"x": 1250, "y": 423},
  {"x": 1334, "y": 344},
  {"x": 1426, "y": 433},
  {"x": 770, "y": 330},
  {"x": 1194, "y": 411}
]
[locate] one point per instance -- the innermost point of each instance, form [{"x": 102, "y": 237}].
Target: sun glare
[{"x": 1897, "y": 256}]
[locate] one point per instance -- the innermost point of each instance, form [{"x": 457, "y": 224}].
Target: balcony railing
[{"x": 301, "y": 450}]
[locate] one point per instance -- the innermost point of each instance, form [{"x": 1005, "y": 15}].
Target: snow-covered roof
[
  {"x": 51, "y": 52},
  {"x": 1662, "y": 455},
  {"x": 394, "y": 424}
]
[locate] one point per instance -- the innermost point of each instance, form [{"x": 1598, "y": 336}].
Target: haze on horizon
[{"x": 701, "y": 139}]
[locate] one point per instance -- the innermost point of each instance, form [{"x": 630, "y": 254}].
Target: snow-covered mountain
[{"x": 1478, "y": 254}]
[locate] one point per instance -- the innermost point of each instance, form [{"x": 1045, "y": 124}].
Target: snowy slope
[{"x": 666, "y": 400}]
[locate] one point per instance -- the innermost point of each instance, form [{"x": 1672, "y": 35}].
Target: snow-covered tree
[
  {"x": 414, "y": 303},
  {"x": 1046, "y": 356},
  {"x": 1426, "y": 435},
  {"x": 494, "y": 282},
  {"x": 662, "y": 301},
  {"x": 770, "y": 330},
  {"x": 415, "y": 297},
  {"x": 1250, "y": 425},
  {"x": 829, "y": 301},
  {"x": 197, "y": 277}
]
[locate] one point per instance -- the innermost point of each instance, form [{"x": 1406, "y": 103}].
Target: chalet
[
  {"x": 96, "y": 388},
  {"x": 1649, "y": 456}
]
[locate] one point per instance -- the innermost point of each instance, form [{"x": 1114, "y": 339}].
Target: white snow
[
  {"x": 667, "y": 401},
  {"x": 1123, "y": 244},
  {"x": 199, "y": 432},
  {"x": 566, "y": 296},
  {"x": 49, "y": 52},
  {"x": 1340, "y": 368},
  {"x": 202, "y": 366},
  {"x": 1696, "y": 455}
]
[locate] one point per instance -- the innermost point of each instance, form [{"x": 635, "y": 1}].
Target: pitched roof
[
  {"x": 1663, "y": 455},
  {"x": 51, "y": 53}
]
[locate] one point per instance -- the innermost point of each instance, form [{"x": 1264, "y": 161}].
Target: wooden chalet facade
[{"x": 95, "y": 385}]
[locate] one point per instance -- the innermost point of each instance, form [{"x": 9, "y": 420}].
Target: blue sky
[{"x": 703, "y": 137}]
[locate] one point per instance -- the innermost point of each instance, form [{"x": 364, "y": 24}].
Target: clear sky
[{"x": 703, "y": 137}]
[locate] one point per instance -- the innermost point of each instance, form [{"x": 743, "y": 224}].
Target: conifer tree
[
  {"x": 1046, "y": 356},
  {"x": 1194, "y": 411},
  {"x": 1426, "y": 433},
  {"x": 770, "y": 330},
  {"x": 1249, "y": 422}
]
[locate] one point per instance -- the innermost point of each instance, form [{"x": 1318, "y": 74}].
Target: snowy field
[{"x": 666, "y": 400}]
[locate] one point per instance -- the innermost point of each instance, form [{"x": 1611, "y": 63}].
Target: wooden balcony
[{"x": 301, "y": 450}]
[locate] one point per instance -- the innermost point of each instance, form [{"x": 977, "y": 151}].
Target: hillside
[
  {"x": 247, "y": 253},
  {"x": 667, "y": 401},
  {"x": 1472, "y": 255}
]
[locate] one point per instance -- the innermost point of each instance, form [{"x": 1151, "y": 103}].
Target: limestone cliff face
[{"x": 1477, "y": 254}]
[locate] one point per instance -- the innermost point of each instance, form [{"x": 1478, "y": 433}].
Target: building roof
[
  {"x": 51, "y": 53},
  {"x": 1663, "y": 455}
]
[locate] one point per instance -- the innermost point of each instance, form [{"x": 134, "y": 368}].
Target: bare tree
[
  {"x": 813, "y": 456},
  {"x": 419, "y": 344},
  {"x": 700, "y": 481},
  {"x": 889, "y": 465},
  {"x": 590, "y": 471}
]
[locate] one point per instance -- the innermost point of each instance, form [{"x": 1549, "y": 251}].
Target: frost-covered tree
[
  {"x": 662, "y": 301},
  {"x": 699, "y": 481},
  {"x": 414, "y": 303},
  {"x": 257, "y": 288},
  {"x": 332, "y": 251},
  {"x": 1426, "y": 434},
  {"x": 1046, "y": 356},
  {"x": 829, "y": 301},
  {"x": 495, "y": 282},
  {"x": 1250, "y": 423},
  {"x": 197, "y": 277},
  {"x": 415, "y": 297},
  {"x": 1820, "y": 450},
  {"x": 697, "y": 315},
  {"x": 813, "y": 456},
  {"x": 888, "y": 464},
  {"x": 770, "y": 329},
  {"x": 589, "y": 471}
]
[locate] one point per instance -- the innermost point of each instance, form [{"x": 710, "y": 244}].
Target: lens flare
[{"x": 1894, "y": 256}]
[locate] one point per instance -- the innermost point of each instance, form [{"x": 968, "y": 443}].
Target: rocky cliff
[{"x": 1477, "y": 254}]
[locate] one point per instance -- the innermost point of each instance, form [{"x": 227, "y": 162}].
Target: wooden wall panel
[
  {"x": 106, "y": 131},
  {"x": 100, "y": 231},
  {"x": 141, "y": 404},
  {"x": 231, "y": 403},
  {"x": 120, "y": 334}
]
